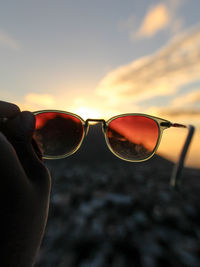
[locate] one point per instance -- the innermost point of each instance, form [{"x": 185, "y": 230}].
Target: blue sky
[{"x": 102, "y": 58}]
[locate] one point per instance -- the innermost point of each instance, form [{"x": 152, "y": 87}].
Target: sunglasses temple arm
[{"x": 175, "y": 180}]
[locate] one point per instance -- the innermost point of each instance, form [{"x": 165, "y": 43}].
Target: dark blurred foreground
[{"x": 107, "y": 212}]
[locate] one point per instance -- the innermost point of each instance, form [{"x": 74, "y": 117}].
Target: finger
[
  {"x": 9, "y": 164},
  {"x": 20, "y": 128},
  {"x": 37, "y": 149},
  {"x": 19, "y": 131},
  {"x": 8, "y": 110}
]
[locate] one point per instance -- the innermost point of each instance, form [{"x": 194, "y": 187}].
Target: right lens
[
  {"x": 58, "y": 134},
  {"x": 133, "y": 137}
]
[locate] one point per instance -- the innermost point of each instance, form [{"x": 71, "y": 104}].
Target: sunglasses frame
[
  {"x": 175, "y": 180},
  {"x": 71, "y": 114},
  {"x": 161, "y": 123}
]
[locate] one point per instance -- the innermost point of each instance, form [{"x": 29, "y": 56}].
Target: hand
[{"x": 24, "y": 190}]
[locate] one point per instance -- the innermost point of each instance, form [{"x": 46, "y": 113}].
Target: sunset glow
[
  {"x": 87, "y": 113},
  {"x": 126, "y": 57}
]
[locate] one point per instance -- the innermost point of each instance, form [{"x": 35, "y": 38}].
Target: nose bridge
[
  {"x": 102, "y": 121},
  {"x": 96, "y": 120}
]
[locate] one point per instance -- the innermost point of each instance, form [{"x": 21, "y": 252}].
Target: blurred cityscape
[{"x": 107, "y": 212}]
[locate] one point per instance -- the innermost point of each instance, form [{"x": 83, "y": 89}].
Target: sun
[{"x": 86, "y": 113}]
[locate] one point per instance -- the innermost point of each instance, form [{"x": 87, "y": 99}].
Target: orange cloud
[
  {"x": 160, "y": 74},
  {"x": 187, "y": 100},
  {"x": 33, "y": 101},
  {"x": 156, "y": 19},
  {"x": 180, "y": 115},
  {"x": 85, "y": 107}
]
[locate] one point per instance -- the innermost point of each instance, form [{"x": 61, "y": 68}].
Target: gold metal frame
[
  {"x": 162, "y": 125},
  {"x": 84, "y": 132}
]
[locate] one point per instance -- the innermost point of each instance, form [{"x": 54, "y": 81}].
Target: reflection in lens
[
  {"x": 58, "y": 134},
  {"x": 132, "y": 137}
]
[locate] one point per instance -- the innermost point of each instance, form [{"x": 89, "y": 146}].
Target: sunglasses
[{"x": 131, "y": 137}]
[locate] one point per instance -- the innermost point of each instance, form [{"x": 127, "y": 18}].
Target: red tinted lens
[
  {"x": 58, "y": 134},
  {"x": 133, "y": 137}
]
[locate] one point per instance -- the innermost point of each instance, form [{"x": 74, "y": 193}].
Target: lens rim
[
  {"x": 67, "y": 113},
  {"x": 161, "y": 123}
]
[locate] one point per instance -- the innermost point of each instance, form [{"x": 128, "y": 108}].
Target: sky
[{"x": 103, "y": 58}]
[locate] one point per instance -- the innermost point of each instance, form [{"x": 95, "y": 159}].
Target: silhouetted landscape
[{"x": 108, "y": 212}]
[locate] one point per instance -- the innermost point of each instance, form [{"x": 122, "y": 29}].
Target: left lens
[
  {"x": 132, "y": 137},
  {"x": 58, "y": 134}
]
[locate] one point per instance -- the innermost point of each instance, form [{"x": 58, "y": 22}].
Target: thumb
[{"x": 19, "y": 132}]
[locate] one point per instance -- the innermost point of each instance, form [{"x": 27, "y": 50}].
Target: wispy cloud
[
  {"x": 170, "y": 112},
  {"x": 156, "y": 19},
  {"x": 163, "y": 16},
  {"x": 160, "y": 74},
  {"x": 7, "y": 41},
  {"x": 190, "y": 99}
]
